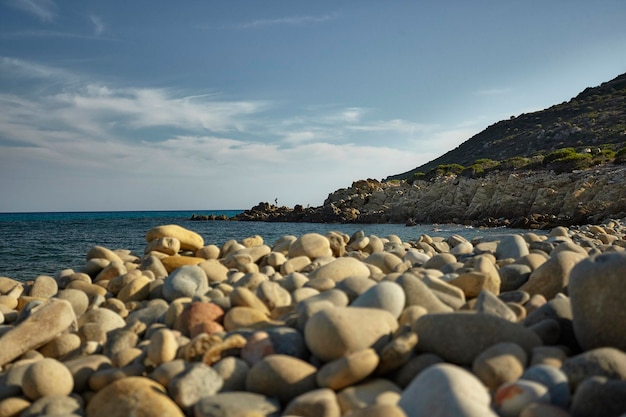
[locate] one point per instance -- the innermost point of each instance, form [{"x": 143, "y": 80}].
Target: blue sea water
[{"x": 33, "y": 244}]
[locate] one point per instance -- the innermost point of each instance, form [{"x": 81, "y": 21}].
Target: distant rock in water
[{"x": 209, "y": 217}]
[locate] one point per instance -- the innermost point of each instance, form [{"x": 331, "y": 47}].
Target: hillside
[{"x": 595, "y": 117}]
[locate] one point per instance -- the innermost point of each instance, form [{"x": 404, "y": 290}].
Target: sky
[{"x": 207, "y": 104}]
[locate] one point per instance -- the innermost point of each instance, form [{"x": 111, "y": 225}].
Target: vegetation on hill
[
  {"x": 589, "y": 129},
  {"x": 559, "y": 160}
]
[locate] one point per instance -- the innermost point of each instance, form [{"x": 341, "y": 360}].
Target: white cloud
[
  {"x": 98, "y": 24},
  {"x": 395, "y": 125},
  {"x": 45, "y": 10},
  {"x": 82, "y": 130},
  {"x": 286, "y": 21}
]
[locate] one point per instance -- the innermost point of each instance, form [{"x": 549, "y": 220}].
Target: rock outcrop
[{"x": 527, "y": 199}]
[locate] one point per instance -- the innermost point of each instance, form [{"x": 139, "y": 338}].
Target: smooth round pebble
[{"x": 47, "y": 377}]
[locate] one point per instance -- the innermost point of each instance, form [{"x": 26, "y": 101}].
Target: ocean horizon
[{"x": 44, "y": 243}]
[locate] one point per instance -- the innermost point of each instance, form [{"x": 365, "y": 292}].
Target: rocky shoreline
[
  {"x": 324, "y": 325},
  {"x": 524, "y": 199}
]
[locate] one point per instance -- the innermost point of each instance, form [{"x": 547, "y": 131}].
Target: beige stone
[
  {"x": 341, "y": 269},
  {"x": 47, "y": 377},
  {"x": 163, "y": 347},
  {"x": 167, "y": 245},
  {"x": 132, "y": 396},
  {"x": 136, "y": 290},
  {"x": 332, "y": 333},
  {"x": 281, "y": 376},
  {"x": 174, "y": 262},
  {"x": 13, "y": 406},
  {"x": 347, "y": 370},
  {"x": 311, "y": 245},
  {"x": 42, "y": 326},
  {"x": 102, "y": 253},
  {"x": 242, "y": 317},
  {"x": 189, "y": 240},
  {"x": 214, "y": 270},
  {"x": 372, "y": 392}
]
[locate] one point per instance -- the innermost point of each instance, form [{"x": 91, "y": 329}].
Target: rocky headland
[
  {"x": 523, "y": 199},
  {"x": 560, "y": 166},
  {"x": 517, "y": 325}
]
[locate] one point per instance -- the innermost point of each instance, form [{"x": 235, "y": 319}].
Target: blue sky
[{"x": 205, "y": 104}]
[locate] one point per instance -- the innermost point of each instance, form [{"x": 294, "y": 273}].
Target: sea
[{"x": 33, "y": 244}]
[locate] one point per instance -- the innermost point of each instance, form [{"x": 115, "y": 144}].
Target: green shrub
[
  {"x": 416, "y": 176},
  {"x": 558, "y": 154},
  {"x": 446, "y": 169},
  {"x": 516, "y": 162},
  {"x": 572, "y": 162}
]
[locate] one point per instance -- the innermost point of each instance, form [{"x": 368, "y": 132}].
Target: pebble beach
[{"x": 518, "y": 324}]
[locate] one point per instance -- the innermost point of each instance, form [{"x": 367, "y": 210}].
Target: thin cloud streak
[
  {"x": 45, "y": 10},
  {"x": 286, "y": 21},
  {"x": 98, "y": 25}
]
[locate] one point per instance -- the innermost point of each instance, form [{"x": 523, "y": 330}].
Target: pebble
[
  {"x": 215, "y": 271},
  {"x": 102, "y": 253},
  {"x": 197, "y": 381},
  {"x": 499, "y": 364},
  {"x": 599, "y": 396},
  {"x": 13, "y": 406},
  {"x": 281, "y": 376},
  {"x": 44, "y": 287},
  {"x": 347, "y": 370},
  {"x": 104, "y": 318},
  {"x": 472, "y": 283},
  {"x": 554, "y": 379},
  {"x": 513, "y": 276},
  {"x": 317, "y": 403},
  {"x": 42, "y": 326},
  {"x": 385, "y": 295},
  {"x": 472, "y": 334},
  {"x": 167, "y": 245},
  {"x": 311, "y": 245},
  {"x": 511, "y": 246},
  {"x": 446, "y": 390},
  {"x": 596, "y": 289},
  {"x": 385, "y": 261},
  {"x": 233, "y": 372},
  {"x": 188, "y": 239},
  {"x": 324, "y": 325},
  {"x": 162, "y": 347},
  {"x": 513, "y": 397},
  {"x": 417, "y": 293},
  {"x": 47, "y": 377},
  {"x": 371, "y": 392},
  {"x": 185, "y": 281},
  {"x": 172, "y": 263},
  {"x": 552, "y": 276},
  {"x": 605, "y": 362},
  {"x": 341, "y": 268},
  {"x": 378, "y": 410},
  {"x": 76, "y": 298},
  {"x": 55, "y": 405},
  {"x": 335, "y": 332},
  {"x": 237, "y": 404},
  {"x": 132, "y": 396},
  {"x": 244, "y": 317},
  {"x": 203, "y": 318},
  {"x": 488, "y": 303},
  {"x": 62, "y": 345}
]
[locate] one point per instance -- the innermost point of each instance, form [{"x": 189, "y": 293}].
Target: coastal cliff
[{"x": 529, "y": 199}]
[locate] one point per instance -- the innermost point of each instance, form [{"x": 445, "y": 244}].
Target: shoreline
[{"x": 358, "y": 325}]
